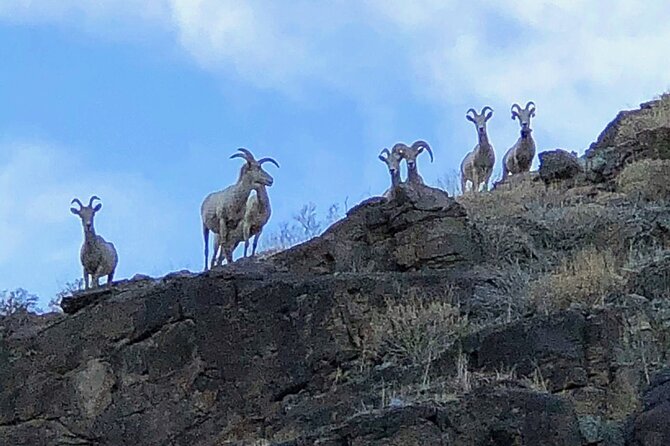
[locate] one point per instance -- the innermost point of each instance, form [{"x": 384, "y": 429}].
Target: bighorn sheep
[
  {"x": 223, "y": 211},
  {"x": 392, "y": 160},
  {"x": 98, "y": 257},
  {"x": 256, "y": 215},
  {"x": 520, "y": 156},
  {"x": 409, "y": 154},
  {"x": 477, "y": 166}
]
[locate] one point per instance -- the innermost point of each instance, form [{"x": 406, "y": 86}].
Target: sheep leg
[
  {"x": 223, "y": 237},
  {"x": 85, "y": 280},
  {"x": 246, "y": 247},
  {"x": 205, "y": 234},
  {"x": 253, "y": 248},
  {"x": 464, "y": 182},
  {"x": 110, "y": 278}
]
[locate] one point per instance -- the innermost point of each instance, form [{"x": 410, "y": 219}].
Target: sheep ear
[
  {"x": 382, "y": 158},
  {"x": 97, "y": 207},
  {"x": 470, "y": 118},
  {"x": 75, "y": 211}
]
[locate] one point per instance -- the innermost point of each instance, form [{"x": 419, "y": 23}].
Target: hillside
[{"x": 537, "y": 314}]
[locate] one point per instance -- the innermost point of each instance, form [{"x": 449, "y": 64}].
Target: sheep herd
[{"x": 239, "y": 212}]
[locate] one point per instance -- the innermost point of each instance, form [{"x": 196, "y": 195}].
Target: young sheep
[
  {"x": 409, "y": 154},
  {"x": 520, "y": 156},
  {"x": 477, "y": 166},
  {"x": 98, "y": 257},
  {"x": 223, "y": 211},
  {"x": 392, "y": 161}
]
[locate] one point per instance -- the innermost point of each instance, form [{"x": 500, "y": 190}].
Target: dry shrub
[
  {"x": 647, "y": 180},
  {"x": 585, "y": 279},
  {"x": 415, "y": 330},
  {"x": 657, "y": 114},
  {"x": 511, "y": 200}
]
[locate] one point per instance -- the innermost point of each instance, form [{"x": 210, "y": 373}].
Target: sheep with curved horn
[
  {"x": 410, "y": 154},
  {"x": 477, "y": 166},
  {"x": 223, "y": 211},
  {"x": 392, "y": 161},
  {"x": 98, "y": 256},
  {"x": 520, "y": 156}
]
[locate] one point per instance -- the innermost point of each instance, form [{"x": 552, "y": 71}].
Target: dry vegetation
[
  {"x": 646, "y": 180},
  {"x": 585, "y": 279},
  {"x": 657, "y": 115},
  {"x": 416, "y": 330}
]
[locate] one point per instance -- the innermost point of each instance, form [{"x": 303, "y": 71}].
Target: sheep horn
[
  {"x": 515, "y": 113},
  {"x": 247, "y": 155},
  {"x": 90, "y": 202},
  {"x": 76, "y": 200},
  {"x": 418, "y": 144},
  {"x": 386, "y": 152},
  {"x": 489, "y": 109},
  {"x": 268, "y": 159},
  {"x": 399, "y": 147},
  {"x": 529, "y": 104}
]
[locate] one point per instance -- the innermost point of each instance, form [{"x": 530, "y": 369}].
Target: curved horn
[
  {"x": 76, "y": 200},
  {"x": 420, "y": 143},
  {"x": 399, "y": 146},
  {"x": 485, "y": 109},
  {"x": 90, "y": 202},
  {"x": 529, "y": 104},
  {"x": 515, "y": 113},
  {"x": 268, "y": 159},
  {"x": 247, "y": 155},
  {"x": 386, "y": 152}
]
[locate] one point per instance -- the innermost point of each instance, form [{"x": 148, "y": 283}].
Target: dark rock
[
  {"x": 651, "y": 427},
  {"x": 558, "y": 165},
  {"x": 652, "y": 280},
  {"x": 604, "y": 163},
  {"x": 420, "y": 228}
]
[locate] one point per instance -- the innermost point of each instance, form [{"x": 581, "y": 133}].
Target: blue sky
[{"x": 141, "y": 102}]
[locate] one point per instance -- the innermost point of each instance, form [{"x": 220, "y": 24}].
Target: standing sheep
[
  {"x": 98, "y": 257},
  {"x": 222, "y": 211},
  {"x": 256, "y": 214},
  {"x": 477, "y": 166},
  {"x": 520, "y": 156},
  {"x": 409, "y": 154}
]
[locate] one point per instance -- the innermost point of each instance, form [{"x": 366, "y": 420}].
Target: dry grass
[
  {"x": 646, "y": 180},
  {"x": 658, "y": 115},
  {"x": 585, "y": 279},
  {"x": 415, "y": 330}
]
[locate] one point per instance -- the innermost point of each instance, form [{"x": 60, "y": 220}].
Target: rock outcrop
[{"x": 412, "y": 321}]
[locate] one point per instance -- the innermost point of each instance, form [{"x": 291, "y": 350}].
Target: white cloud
[{"x": 40, "y": 238}]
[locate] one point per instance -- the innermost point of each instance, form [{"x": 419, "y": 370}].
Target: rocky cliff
[{"x": 538, "y": 314}]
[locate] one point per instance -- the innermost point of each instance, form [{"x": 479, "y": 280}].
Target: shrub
[
  {"x": 415, "y": 330},
  {"x": 646, "y": 180},
  {"x": 585, "y": 279}
]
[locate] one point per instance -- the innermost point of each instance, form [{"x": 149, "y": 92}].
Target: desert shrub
[
  {"x": 510, "y": 201},
  {"x": 13, "y": 301},
  {"x": 584, "y": 279},
  {"x": 646, "y": 180},
  {"x": 415, "y": 330},
  {"x": 304, "y": 225},
  {"x": 656, "y": 115}
]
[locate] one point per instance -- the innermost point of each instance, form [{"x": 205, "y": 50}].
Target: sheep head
[
  {"x": 86, "y": 213},
  {"x": 392, "y": 161},
  {"x": 252, "y": 170},
  {"x": 479, "y": 119},
  {"x": 524, "y": 115},
  {"x": 409, "y": 154}
]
